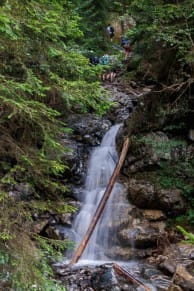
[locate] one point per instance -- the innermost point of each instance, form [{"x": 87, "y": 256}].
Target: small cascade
[
  {"x": 95, "y": 267},
  {"x": 101, "y": 166},
  {"x": 114, "y": 239}
]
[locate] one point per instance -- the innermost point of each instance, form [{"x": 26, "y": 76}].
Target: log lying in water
[
  {"x": 101, "y": 205},
  {"x": 124, "y": 273}
]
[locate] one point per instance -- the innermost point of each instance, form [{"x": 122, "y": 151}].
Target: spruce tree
[{"x": 95, "y": 17}]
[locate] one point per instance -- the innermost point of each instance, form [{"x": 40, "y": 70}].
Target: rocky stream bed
[{"x": 157, "y": 256}]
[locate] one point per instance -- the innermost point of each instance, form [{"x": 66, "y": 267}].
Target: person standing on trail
[
  {"x": 96, "y": 60},
  {"x": 124, "y": 41},
  {"x": 111, "y": 31}
]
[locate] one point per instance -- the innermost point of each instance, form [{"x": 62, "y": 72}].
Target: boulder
[
  {"x": 178, "y": 261},
  {"x": 141, "y": 193},
  {"x": 171, "y": 201}
]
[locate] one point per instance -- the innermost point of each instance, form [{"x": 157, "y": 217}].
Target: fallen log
[
  {"x": 124, "y": 273},
  {"x": 101, "y": 205}
]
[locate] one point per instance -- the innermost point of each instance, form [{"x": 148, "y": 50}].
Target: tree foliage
[
  {"x": 162, "y": 37},
  {"x": 164, "y": 30},
  {"x": 39, "y": 70},
  {"x": 94, "y": 19},
  {"x": 43, "y": 76}
]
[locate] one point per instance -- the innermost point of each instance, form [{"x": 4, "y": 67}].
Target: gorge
[{"x": 140, "y": 225}]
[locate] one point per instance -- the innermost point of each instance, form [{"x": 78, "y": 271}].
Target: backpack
[
  {"x": 96, "y": 60},
  {"x": 112, "y": 29},
  {"x": 104, "y": 60}
]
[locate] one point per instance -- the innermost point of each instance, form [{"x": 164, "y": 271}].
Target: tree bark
[
  {"x": 124, "y": 273},
  {"x": 101, "y": 205}
]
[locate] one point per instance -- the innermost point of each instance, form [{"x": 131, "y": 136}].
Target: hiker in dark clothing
[
  {"x": 124, "y": 41},
  {"x": 111, "y": 31},
  {"x": 94, "y": 60},
  {"x": 91, "y": 59}
]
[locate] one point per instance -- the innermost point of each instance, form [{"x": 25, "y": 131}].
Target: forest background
[{"x": 45, "y": 76}]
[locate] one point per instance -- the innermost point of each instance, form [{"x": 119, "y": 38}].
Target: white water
[{"x": 101, "y": 166}]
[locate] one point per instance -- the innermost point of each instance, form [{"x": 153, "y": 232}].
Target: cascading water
[
  {"x": 103, "y": 246},
  {"x": 101, "y": 166},
  {"x": 100, "y": 248}
]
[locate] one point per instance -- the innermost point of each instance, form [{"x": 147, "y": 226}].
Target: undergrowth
[{"x": 26, "y": 256}]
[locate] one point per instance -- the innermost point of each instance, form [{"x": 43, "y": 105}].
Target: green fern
[{"x": 188, "y": 235}]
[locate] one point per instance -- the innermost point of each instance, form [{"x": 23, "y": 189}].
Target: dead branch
[
  {"x": 124, "y": 273},
  {"x": 175, "y": 87}
]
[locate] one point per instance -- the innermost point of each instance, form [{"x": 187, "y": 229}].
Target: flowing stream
[{"x": 101, "y": 166}]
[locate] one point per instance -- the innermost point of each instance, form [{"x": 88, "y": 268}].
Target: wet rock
[
  {"x": 141, "y": 193},
  {"x": 124, "y": 103},
  {"x": 96, "y": 278},
  {"x": 156, "y": 146},
  {"x": 144, "y": 117},
  {"x": 159, "y": 280},
  {"x": 184, "y": 276},
  {"x": 174, "y": 287},
  {"x": 179, "y": 253},
  {"x": 144, "y": 195},
  {"x": 59, "y": 232},
  {"x": 178, "y": 263},
  {"x": 144, "y": 153},
  {"x": 39, "y": 226},
  {"x": 65, "y": 218},
  {"x": 149, "y": 149},
  {"x": 88, "y": 129},
  {"x": 153, "y": 214},
  {"x": 104, "y": 278},
  {"x": 76, "y": 159},
  {"x": 129, "y": 253},
  {"x": 106, "y": 281},
  {"x": 139, "y": 237},
  {"x": 25, "y": 189},
  {"x": 21, "y": 191},
  {"x": 171, "y": 201},
  {"x": 54, "y": 233}
]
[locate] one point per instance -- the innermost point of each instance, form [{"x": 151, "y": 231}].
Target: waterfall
[
  {"x": 103, "y": 242},
  {"x": 101, "y": 165}
]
